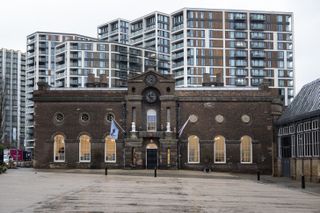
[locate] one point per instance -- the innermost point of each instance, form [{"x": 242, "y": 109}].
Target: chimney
[
  {"x": 206, "y": 82},
  {"x": 103, "y": 80},
  {"x": 91, "y": 80}
]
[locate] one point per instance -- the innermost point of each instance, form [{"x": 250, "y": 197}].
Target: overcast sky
[{"x": 19, "y": 18}]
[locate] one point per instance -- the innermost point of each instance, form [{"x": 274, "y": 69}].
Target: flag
[
  {"x": 114, "y": 131},
  {"x": 182, "y": 128}
]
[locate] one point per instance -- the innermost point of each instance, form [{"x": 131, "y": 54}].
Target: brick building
[{"x": 191, "y": 128}]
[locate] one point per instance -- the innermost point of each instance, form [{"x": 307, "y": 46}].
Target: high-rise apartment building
[
  {"x": 236, "y": 47},
  {"x": 152, "y": 31},
  {"x": 41, "y": 67},
  {"x": 114, "y": 31},
  {"x": 12, "y": 85},
  {"x": 76, "y": 59}
]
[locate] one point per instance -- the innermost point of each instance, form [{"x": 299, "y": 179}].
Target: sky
[{"x": 19, "y": 18}]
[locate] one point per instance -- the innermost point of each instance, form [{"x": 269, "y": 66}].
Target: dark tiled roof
[{"x": 305, "y": 104}]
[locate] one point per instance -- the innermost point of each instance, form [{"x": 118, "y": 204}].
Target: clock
[
  {"x": 151, "y": 96},
  {"x": 151, "y": 80}
]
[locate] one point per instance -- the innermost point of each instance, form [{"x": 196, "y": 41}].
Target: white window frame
[
  {"x": 84, "y": 161},
  {"x": 251, "y": 151},
  {"x": 54, "y": 149},
  {"x": 300, "y": 145},
  {"x": 194, "y": 162},
  {"x": 293, "y": 146},
  {"x": 105, "y": 150},
  {"x": 315, "y": 143},
  {"x": 307, "y": 144},
  {"x": 214, "y": 153},
  {"x": 151, "y": 112}
]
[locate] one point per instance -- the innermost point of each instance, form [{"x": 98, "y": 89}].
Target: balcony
[
  {"x": 149, "y": 35},
  {"x": 239, "y": 16},
  {"x": 178, "y": 64},
  {"x": 240, "y": 44},
  {"x": 241, "y": 82},
  {"x": 258, "y": 45},
  {"x": 258, "y": 54},
  {"x": 241, "y": 72},
  {"x": 240, "y": 26},
  {"x": 257, "y": 17},
  {"x": 177, "y": 36},
  {"x": 177, "y": 55},
  {"x": 257, "y": 72},
  {"x": 241, "y": 63},
  {"x": 240, "y": 54},
  {"x": 258, "y": 63},
  {"x": 257, "y": 35},
  {"x": 150, "y": 27},
  {"x": 136, "y": 33},
  {"x": 177, "y": 27},
  {"x": 258, "y": 26},
  {"x": 240, "y": 35}
]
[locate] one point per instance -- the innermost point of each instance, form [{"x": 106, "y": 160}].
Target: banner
[{"x": 114, "y": 131}]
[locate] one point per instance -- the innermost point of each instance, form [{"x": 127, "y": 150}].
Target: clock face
[
  {"x": 151, "y": 96},
  {"x": 151, "y": 79}
]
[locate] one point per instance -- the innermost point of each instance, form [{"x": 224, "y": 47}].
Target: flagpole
[
  {"x": 184, "y": 125},
  {"x": 118, "y": 125}
]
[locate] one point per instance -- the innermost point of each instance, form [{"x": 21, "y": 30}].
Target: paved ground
[{"x": 25, "y": 190}]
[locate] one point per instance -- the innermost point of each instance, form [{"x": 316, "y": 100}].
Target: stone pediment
[
  {"x": 143, "y": 76},
  {"x": 164, "y": 84}
]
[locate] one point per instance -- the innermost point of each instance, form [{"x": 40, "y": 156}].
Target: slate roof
[{"x": 305, "y": 104}]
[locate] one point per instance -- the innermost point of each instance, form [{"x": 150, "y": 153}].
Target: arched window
[
  {"x": 84, "y": 148},
  {"x": 219, "y": 149},
  {"x": 110, "y": 149},
  {"x": 151, "y": 120},
  {"x": 59, "y": 147},
  {"x": 193, "y": 149},
  {"x": 246, "y": 149}
]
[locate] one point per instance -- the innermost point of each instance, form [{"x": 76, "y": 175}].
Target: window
[
  {"x": 193, "y": 149},
  {"x": 168, "y": 156},
  {"x": 300, "y": 142},
  {"x": 59, "y": 148},
  {"x": 246, "y": 149},
  {"x": 151, "y": 120},
  {"x": 219, "y": 149},
  {"x": 316, "y": 143},
  {"x": 84, "y": 117},
  {"x": 84, "y": 149},
  {"x": 293, "y": 146},
  {"x": 59, "y": 117},
  {"x": 110, "y": 149}
]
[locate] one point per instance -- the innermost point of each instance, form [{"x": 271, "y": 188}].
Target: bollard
[
  {"x": 258, "y": 175},
  {"x": 155, "y": 172},
  {"x": 303, "y": 182},
  {"x": 106, "y": 171}
]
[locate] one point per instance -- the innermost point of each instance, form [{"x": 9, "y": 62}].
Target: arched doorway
[{"x": 151, "y": 155}]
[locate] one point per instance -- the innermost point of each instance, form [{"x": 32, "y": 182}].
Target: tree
[{"x": 1, "y": 117}]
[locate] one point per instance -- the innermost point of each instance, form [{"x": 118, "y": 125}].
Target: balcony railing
[
  {"x": 178, "y": 27},
  {"x": 257, "y": 17},
  {"x": 240, "y": 26},
  {"x": 258, "y": 26},
  {"x": 240, "y": 16},
  {"x": 258, "y": 54},
  {"x": 257, "y": 35}
]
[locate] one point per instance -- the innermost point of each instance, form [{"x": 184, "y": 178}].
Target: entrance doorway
[
  {"x": 151, "y": 156},
  {"x": 286, "y": 155}
]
